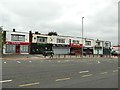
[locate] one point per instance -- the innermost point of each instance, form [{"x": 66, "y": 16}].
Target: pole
[{"x": 82, "y": 36}]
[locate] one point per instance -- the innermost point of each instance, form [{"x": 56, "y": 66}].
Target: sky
[{"x": 63, "y": 16}]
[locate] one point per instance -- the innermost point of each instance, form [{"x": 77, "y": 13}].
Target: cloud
[{"x": 62, "y": 16}]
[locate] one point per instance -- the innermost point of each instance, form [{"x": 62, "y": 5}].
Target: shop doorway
[{"x": 18, "y": 49}]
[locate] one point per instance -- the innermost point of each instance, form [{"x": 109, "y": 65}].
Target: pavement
[
  {"x": 60, "y": 73},
  {"x": 40, "y": 56}
]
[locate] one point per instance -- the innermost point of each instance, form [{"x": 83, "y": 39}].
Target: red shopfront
[
  {"x": 76, "y": 48},
  {"x": 17, "y": 47}
]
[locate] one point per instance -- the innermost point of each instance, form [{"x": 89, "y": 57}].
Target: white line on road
[
  {"x": 98, "y": 61},
  {"x": 5, "y": 81},
  {"x": 5, "y": 62},
  {"x": 30, "y": 61},
  {"x": 83, "y": 71},
  {"x": 18, "y": 62},
  {"x": 59, "y": 61}
]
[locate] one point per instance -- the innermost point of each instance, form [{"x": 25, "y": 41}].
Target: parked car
[{"x": 114, "y": 53}]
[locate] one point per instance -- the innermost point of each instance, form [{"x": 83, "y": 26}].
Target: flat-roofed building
[
  {"x": 16, "y": 42},
  {"x": 98, "y": 47},
  {"x": 89, "y": 46}
]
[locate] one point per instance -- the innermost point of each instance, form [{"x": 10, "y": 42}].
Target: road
[{"x": 68, "y": 73}]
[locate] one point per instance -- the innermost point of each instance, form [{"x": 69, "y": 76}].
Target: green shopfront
[{"x": 39, "y": 48}]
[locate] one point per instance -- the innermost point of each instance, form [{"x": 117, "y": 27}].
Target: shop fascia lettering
[{"x": 17, "y": 43}]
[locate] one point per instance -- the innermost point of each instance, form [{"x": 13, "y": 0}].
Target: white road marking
[
  {"x": 5, "y": 81},
  {"x": 5, "y": 62},
  {"x": 59, "y": 61},
  {"x": 18, "y": 62},
  {"x": 98, "y": 61},
  {"x": 30, "y": 61},
  {"x": 83, "y": 71}
]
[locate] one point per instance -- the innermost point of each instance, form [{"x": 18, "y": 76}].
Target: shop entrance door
[{"x": 18, "y": 49}]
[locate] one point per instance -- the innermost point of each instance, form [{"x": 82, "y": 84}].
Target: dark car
[{"x": 114, "y": 53}]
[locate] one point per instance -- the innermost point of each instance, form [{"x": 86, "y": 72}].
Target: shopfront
[
  {"x": 61, "y": 49},
  {"x": 106, "y": 51},
  {"x": 98, "y": 50},
  {"x": 17, "y": 47},
  {"x": 88, "y": 50},
  {"x": 76, "y": 48},
  {"x": 39, "y": 48}
]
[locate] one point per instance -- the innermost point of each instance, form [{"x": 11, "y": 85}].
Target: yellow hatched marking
[
  {"x": 29, "y": 84},
  {"x": 115, "y": 70},
  {"x": 87, "y": 75},
  {"x": 62, "y": 79},
  {"x": 104, "y": 73}
]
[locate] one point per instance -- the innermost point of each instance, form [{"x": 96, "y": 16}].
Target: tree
[
  {"x": 2, "y": 39},
  {"x": 52, "y": 33}
]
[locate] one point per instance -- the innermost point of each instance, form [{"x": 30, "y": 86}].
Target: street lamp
[{"x": 82, "y": 36}]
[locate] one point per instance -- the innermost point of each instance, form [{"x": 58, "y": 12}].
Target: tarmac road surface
[{"x": 64, "y": 73}]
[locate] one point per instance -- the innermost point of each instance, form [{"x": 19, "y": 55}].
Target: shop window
[
  {"x": 15, "y": 37},
  {"x": 60, "y": 40},
  {"x": 76, "y": 41},
  {"x": 10, "y": 49},
  {"x": 51, "y": 39},
  {"x": 98, "y": 43},
  {"x": 24, "y": 48},
  {"x": 41, "y": 39},
  {"x": 106, "y": 44},
  {"x": 88, "y": 43}
]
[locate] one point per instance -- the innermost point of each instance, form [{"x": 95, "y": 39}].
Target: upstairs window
[
  {"x": 88, "y": 43},
  {"x": 41, "y": 39},
  {"x": 60, "y": 40},
  {"x": 15, "y": 37},
  {"x": 98, "y": 43},
  {"x": 76, "y": 41},
  {"x": 106, "y": 44}
]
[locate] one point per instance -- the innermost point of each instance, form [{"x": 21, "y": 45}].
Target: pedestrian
[{"x": 51, "y": 56}]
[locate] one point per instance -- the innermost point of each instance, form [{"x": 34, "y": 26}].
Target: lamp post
[{"x": 82, "y": 36}]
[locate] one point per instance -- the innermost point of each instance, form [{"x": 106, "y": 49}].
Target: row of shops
[
  {"x": 37, "y": 48},
  {"x": 32, "y": 43}
]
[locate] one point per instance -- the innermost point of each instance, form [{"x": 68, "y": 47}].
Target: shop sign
[
  {"x": 116, "y": 46},
  {"x": 59, "y": 45},
  {"x": 17, "y": 43},
  {"x": 76, "y": 45}
]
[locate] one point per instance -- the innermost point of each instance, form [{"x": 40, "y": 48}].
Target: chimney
[{"x": 13, "y": 30}]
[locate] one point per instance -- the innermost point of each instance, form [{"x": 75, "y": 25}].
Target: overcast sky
[{"x": 62, "y": 16}]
